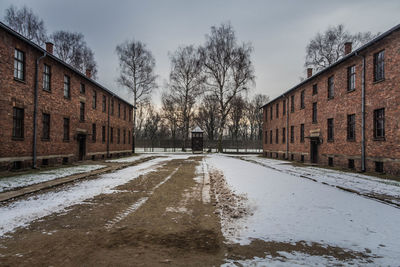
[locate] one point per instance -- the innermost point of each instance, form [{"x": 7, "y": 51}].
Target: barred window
[
  {"x": 18, "y": 123},
  {"x": 314, "y": 112},
  {"x": 46, "y": 126},
  {"x": 351, "y": 127},
  {"x": 82, "y": 111},
  {"x": 66, "y": 129},
  {"x": 276, "y": 136},
  {"x": 330, "y": 129},
  {"x": 291, "y": 134},
  {"x": 331, "y": 92},
  {"x": 379, "y": 123},
  {"x": 301, "y": 133},
  {"x": 351, "y": 78},
  {"x": 379, "y": 66},
  {"x": 302, "y": 99},
  {"x": 19, "y": 65},
  {"x": 94, "y": 100},
  {"x": 46, "y": 77},
  {"x": 103, "y": 134},
  {"x": 124, "y": 136},
  {"x": 283, "y": 135},
  {"x": 67, "y": 86}
]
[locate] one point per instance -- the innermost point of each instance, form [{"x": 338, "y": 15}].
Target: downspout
[
  {"x": 35, "y": 108},
  {"x": 363, "y": 168},
  {"x": 108, "y": 125},
  {"x": 287, "y": 125}
]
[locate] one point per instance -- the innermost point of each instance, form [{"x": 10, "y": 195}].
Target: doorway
[
  {"x": 82, "y": 146},
  {"x": 314, "y": 151}
]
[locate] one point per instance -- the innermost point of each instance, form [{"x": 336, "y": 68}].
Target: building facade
[
  {"x": 346, "y": 115},
  {"x": 76, "y": 118}
]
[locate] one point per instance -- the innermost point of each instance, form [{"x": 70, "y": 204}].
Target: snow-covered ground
[
  {"x": 11, "y": 182},
  {"x": 129, "y": 159},
  {"x": 288, "y": 209},
  {"x": 363, "y": 184},
  {"x": 22, "y": 212}
]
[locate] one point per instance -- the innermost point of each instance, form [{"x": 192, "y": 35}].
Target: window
[
  {"x": 104, "y": 103},
  {"x": 266, "y": 137},
  {"x": 292, "y": 104},
  {"x": 302, "y": 158},
  {"x": 351, "y": 163},
  {"x": 130, "y": 114},
  {"x": 270, "y": 136},
  {"x": 82, "y": 111},
  {"x": 276, "y": 136},
  {"x": 111, "y": 135},
  {"x": 67, "y": 86},
  {"x": 379, "y": 123},
  {"x": 284, "y": 107},
  {"x": 302, "y": 99},
  {"x": 94, "y": 132},
  {"x": 331, "y": 92},
  {"x": 351, "y": 127},
  {"x": 46, "y": 127},
  {"x": 124, "y": 136},
  {"x": 270, "y": 113},
  {"x": 112, "y": 106},
  {"x": 129, "y": 137},
  {"x": 315, "y": 89},
  {"x": 94, "y": 100},
  {"x": 66, "y": 129},
  {"x": 103, "y": 134},
  {"x": 277, "y": 110},
  {"x": 46, "y": 77},
  {"x": 330, "y": 129},
  {"x": 283, "y": 135},
  {"x": 124, "y": 112},
  {"x": 18, "y": 123},
  {"x": 302, "y": 133},
  {"x": 314, "y": 112},
  {"x": 19, "y": 65},
  {"x": 330, "y": 161},
  {"x": 379, "y": 166},
  {"x": 291, "y": 156},
  {"x": 118, "y": 136},
  {"x": 82, "y": 89},
  {"x": 291, "y": 134},
  {"x": 379, "y": 66},
  {"x": 351, "y": 78},
  {"x": 119, "y": 110}
]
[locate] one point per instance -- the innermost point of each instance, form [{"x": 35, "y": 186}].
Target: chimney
[
  {"x": 309, "y": 72},
  {"x": 89, "y": 73},
  {"x": 347, "y": 47},
  {"x": 49, "y": 47}
]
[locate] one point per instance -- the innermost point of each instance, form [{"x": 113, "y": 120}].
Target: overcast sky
[{"x": 278, "y": 30}]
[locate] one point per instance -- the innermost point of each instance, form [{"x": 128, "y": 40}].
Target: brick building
[
  {"x": 346, "y": 115},
  {"x": 76, "y": 118}
]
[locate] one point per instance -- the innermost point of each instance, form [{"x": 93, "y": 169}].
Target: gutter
[
  {"x": 35, "y": 108},
  {"x": 363, "y": 168}
]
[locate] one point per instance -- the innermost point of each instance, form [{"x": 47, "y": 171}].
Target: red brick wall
[
  {"x": 21, "y": 94},
  {"x": 384, "y": 94}
]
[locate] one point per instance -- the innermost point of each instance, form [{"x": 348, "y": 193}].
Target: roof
[
  {"x": 197, "y": 130},
  {"x": 21, "y": 37},
  {"x": 346, "y": 57}
]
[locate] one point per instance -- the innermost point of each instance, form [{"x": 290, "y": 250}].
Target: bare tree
[
  {"x": 326, "y": 48},
  {"x": 27, "y": 23},
  {"x": 137, "y": 72},
  {"x": 170, "y": 110},
  {"x": 228, "y": 69},
  {"x": 152, "y": 126},
  {"x": 235, "y": 117},
  {"x": 186, "y": 84},
  {"x": 208, "y": 116},
  {"x": 257, "y": 115},
  {"x": 72, "y": 48}
]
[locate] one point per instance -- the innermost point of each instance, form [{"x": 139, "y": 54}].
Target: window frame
[
  {"x": 66, "y": 129},
  {"x": 315, "y": 112},
  {"x": 302, "y": 96},
  {"x": 315, "y": 89},
  {"x": 379, "y": 66},
  {"x": 104, "y": 104},
  {"x": 292, "y": 134},
  {"x": 330, "y": 130},
  {"x": 292, "y": 108},
  {"x": 284, "y": 107},
  {"x": 82, "y": 89},
  {"x": 331, "y": 87},
  {"x": 351, "y": 127},
  {"x": 19, "y": 65},
  {"x": 67, "y": 86},
  {"x": 18, "y": 123},
  {"x": 94, "y": 99},
  {"x": 81, "y": 111},
  {"x": 47, "y": 77},
  {"x": 351, "y": 78},
  {"x": 46, "y": 126},
  {"x": 283, "y": 135},
  {"x": 377, "y": 119},
  {"x": 94, "y": 132},
  {"x": 302, "y": 133},
  {"x": 276, "y": 136}
]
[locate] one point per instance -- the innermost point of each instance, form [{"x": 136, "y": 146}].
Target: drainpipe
[
  {"x": 108, "y": 125},
  {"x": 363, "y": 168},
  {"x": 287, "y": 125},
  {"x": 35, "y": 108}
]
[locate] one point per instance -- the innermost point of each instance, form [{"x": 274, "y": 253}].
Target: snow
[
  {"x": 12, "y": 182},
  {"x": 288, "y": 209},
  {"x": 129, "y": 159},
  {"x": 21, "y": 213},
  {"x": 363, "y": 184}
]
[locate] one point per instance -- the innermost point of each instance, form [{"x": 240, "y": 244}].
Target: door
[
  {"x": 82, "y": 146},
  {"x": 314, "y": 151}
]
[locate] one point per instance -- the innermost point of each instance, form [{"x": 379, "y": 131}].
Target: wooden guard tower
[{"x": 197, "y": 140}]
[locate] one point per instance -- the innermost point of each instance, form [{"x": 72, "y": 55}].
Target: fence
[{"x": 228, "y": 145}]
